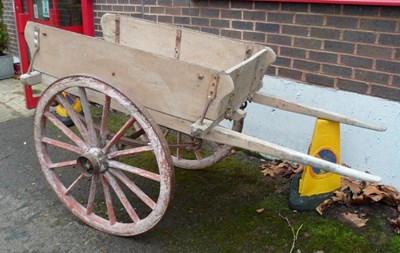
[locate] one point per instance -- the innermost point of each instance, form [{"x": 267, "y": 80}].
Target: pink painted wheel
[
  {"x": 122, "y": 192},
  {"x": 193, "y": 153}
]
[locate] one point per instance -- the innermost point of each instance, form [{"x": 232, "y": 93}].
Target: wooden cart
[{"x": 158, "y": 79}]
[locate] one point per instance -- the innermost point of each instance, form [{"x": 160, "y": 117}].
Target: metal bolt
[
  {"x": 44, "y": 33},
  {"x": 200, "y": 76}
]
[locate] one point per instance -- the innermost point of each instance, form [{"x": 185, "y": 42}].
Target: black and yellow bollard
[
  {"x": 315, "y": 184},
  {"x": 61, "y": 112}
]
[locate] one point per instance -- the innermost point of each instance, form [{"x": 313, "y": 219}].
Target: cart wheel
[
  {"x": 193, "y": 153},
  {"x": 121, "y": 192}
]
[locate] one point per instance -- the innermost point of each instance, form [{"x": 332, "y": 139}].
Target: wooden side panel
[
  {"x": 204, "y": 49},
  {"x": 162, "y": 84},
  {"x": 139, "y": 34},
  {"x": 247, "y": 76}
]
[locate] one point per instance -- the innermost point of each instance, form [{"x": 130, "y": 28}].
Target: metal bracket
[
  {"x": 212, "y": 88},
  {"x": 249, "y": 52},
  {"x": 178, "y": 40},
  {"x": 211, "y": 94},
  {"x": 36, "y": 41},
  {"x": 117, "y": 30}
]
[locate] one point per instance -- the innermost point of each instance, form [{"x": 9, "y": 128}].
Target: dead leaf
[
  {"x": 268, "y": 172},
  {"x": 354, "y": 186},
  {"x": 324, "y": 205},
  {"x": 338, "y": 196},
  {"x": 373, "y": 192},
  {"x": 396, "y": 224},
  {"x": 283, "y": 169},
  {"x": 354, "y": 219},
  {"x": 299, "y": 169},
  {"x": 260, "y": 210}
]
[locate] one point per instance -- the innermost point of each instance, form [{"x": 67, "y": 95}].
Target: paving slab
[{"x": 12, "y": 99}]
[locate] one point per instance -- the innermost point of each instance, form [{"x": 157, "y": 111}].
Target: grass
[{"x": 214, "y": 210}]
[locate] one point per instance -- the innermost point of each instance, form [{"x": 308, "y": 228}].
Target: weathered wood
[
  {"x": 204, "y": 49},
  {"x": 245, "y": 62},
  {"x": 268, "y": 100},
  {"x": 223, "y": 135},
  {"x": 162, "y": 84},
  {"x": 247, "y": 77}
]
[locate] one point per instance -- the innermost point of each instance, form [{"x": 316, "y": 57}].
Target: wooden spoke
[
  {"x": 88, "y": 116},
  {"x": 94, "y": 148},
  {"x": 121, "y": 195},
  {"x": 74, "y": 116},
  {"x": 134, "y": 170},
  {"x": 134, "y": 188},
  {"x": 193, "y": 153},
  {"x": 107, "y": 196},
  {"x": 130, "y": 151},
  {"x": 137, "y": 134},
  {"x": 62, "y": 164},
  {"x": 119, "y": 134},
  {"x": 198, "y": 155},
  {"x": 216, "y": 146},
  {"x": 74, "y": 184},
  {"x": 179, "y": 142},
  {"x": 92, "y": 194},
  {"x": 166, "y": 132},
  {"x": 56, "y": 122},
  {"x": 104, "y": 121},
  {"x": 62, "y": 145}
]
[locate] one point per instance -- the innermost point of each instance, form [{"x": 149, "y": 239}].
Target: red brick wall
[
  {"x": 9, "y": 19},
  {"x": 348, "y": 47}
]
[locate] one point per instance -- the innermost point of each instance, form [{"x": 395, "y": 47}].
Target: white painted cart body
[{"x": 186, "y": 80}]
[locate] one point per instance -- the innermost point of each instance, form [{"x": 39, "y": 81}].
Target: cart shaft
[
  {"x": 272, "y": 101},
  {"x": 222, "y": 135}
]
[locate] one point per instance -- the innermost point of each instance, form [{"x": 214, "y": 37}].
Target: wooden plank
[
  {"x": 196, "y": 47},
  {"x": 142, "y": 35},
  {"x": 247, "y": 76},
  {"x": 159, "y": 83},
  {"x": 268, "y": 100}
]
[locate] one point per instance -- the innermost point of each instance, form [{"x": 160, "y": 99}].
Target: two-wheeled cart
[{"x": 158, "y": 80}]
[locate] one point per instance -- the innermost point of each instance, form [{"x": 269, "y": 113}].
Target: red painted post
[
  {"x": 22, "y": 17},
  {"x": 87, "y": 17}
]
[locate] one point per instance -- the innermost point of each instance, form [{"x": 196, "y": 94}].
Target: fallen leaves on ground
[
  {"x": 284, "y": 169},
  {"x": 360, "y": 192},
  {"x": 352, "y": 192},
  {"x": 354, "y": 219}
]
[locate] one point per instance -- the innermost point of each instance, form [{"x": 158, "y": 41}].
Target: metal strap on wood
[
  {"x": 117, "y": 29},
  {"x": 178, "y": 40},
  {"x": 33, "y": 77}
]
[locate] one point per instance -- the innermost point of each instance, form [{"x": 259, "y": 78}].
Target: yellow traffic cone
[{"x": 325, "y": 145}]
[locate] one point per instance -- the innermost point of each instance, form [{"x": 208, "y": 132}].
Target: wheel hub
[{"x": 92, "y": 162}]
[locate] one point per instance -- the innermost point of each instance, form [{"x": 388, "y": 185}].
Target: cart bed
[{"x": 152, "y": 75}]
